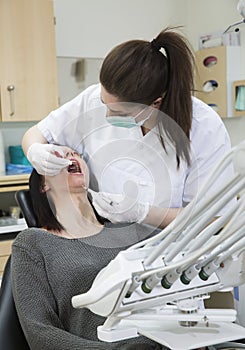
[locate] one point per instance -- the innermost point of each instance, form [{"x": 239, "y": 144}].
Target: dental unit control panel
[{"x": 156, "y": 288}]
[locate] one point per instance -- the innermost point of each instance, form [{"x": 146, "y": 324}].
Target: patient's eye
[{"x": 72, "y": 154}]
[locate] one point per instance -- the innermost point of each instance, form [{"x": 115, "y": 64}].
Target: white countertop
[{"x": 8, "y": 225}]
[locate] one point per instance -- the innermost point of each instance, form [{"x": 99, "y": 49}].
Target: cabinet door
[
  {"x": 5, "y": 251},
  {"x": 28, "y": 72}
]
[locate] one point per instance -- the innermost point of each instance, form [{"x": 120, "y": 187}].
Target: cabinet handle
[{"x": 10, "y": 88}]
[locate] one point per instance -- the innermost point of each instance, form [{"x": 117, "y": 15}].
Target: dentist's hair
[{"x": 141, "y": 71}]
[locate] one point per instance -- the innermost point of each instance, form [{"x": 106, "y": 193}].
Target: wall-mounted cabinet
[
  {"x": 218, "y": 67},
  {"x": 28, "y": 72}
]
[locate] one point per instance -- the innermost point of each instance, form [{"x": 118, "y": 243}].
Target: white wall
[
  {"x": 90, "y": 28},
  {"x": 12, "y": 134},
  {"x": 212, "y": 16}
]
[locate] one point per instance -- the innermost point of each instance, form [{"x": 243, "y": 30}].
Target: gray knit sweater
[{"x": 47, "y": 270}]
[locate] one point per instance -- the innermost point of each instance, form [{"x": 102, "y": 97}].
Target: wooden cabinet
[
  {"x": 10, "y": 183},
  {"x": 5, "y": 251},
  {"x": 28, "y": 72},
  {"x": 8, "y": 186},
  {"x": 217, "y": 68}
]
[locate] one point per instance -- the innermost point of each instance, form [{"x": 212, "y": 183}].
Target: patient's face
[{"x": 75, "y": 177}]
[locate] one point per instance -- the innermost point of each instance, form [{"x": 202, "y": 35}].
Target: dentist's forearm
[
  {"x": 31, "y": 136},
  {"x": 161, "y": 217}
]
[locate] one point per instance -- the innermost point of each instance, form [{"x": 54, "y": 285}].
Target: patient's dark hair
[{"x": 44, "y": 207}]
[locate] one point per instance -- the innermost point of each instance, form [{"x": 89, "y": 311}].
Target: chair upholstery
[
  {"x": 23, "y": 199},
  {"x": 11, "y": 334}
]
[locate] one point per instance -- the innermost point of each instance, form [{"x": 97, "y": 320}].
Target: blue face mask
[{"x": 127, "y": 121}]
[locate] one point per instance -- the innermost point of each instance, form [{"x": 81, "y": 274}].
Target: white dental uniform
[{"x": 124, "y": 160}]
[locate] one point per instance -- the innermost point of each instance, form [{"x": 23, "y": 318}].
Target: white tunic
[{"x": 126, "y": 161}]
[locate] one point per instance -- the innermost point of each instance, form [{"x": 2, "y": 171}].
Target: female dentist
[{"x": 148, "y": 142}]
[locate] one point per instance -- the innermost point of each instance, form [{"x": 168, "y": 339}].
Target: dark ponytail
[
  {"x": 177, "y": 102},
  {"x": 140, "y": 71}
]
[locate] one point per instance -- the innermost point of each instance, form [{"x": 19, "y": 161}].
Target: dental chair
[
  {"x": 11, "y": 334},
  {"x": 157, "y": 287}
]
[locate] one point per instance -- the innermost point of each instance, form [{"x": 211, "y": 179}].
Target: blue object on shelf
[
  {"x": 17, "y": 156},
  {"x": 15, "y": 169}
]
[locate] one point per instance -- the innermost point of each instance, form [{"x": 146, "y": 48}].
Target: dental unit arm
[{"x": 156, "y": 287}]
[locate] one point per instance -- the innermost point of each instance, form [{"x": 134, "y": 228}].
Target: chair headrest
[{"x": 23, "y": 199}]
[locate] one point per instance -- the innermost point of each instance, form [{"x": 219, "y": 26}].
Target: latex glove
[
  {"x": 119, "y": 208},
  {"x": 47, "y": 159}
]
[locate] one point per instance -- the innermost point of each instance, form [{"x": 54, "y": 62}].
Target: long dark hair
[
  {"x": 137, "y": 71},
  {"x": 44, "y": 207}
]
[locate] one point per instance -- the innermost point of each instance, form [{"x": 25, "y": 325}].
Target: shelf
[
  {"x": 10, "y": 183},
  {"x": 217, "y": 68},
  {"x": 12, "y": 228},
  {"x": 14, "y": 179}
]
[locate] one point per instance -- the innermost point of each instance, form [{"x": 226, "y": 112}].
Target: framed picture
[{"x": 239, "y": 98}]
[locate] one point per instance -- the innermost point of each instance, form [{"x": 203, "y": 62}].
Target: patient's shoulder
[
  {"x": 30, "y": 237},
  {"x": 146, "y": 231}
]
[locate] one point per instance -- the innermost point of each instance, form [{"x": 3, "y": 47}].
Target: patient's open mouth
[{"x": 74, "y": 167}]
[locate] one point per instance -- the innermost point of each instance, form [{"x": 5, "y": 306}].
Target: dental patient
[{"x": 61, "y": 258}]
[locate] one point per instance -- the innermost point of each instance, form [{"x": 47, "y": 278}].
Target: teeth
[{"x": 74, "y": 167}]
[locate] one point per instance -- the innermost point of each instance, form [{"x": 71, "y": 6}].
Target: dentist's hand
[
  {"x": 47, "y": 159},
  {"x": 119, "y": 208}
]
